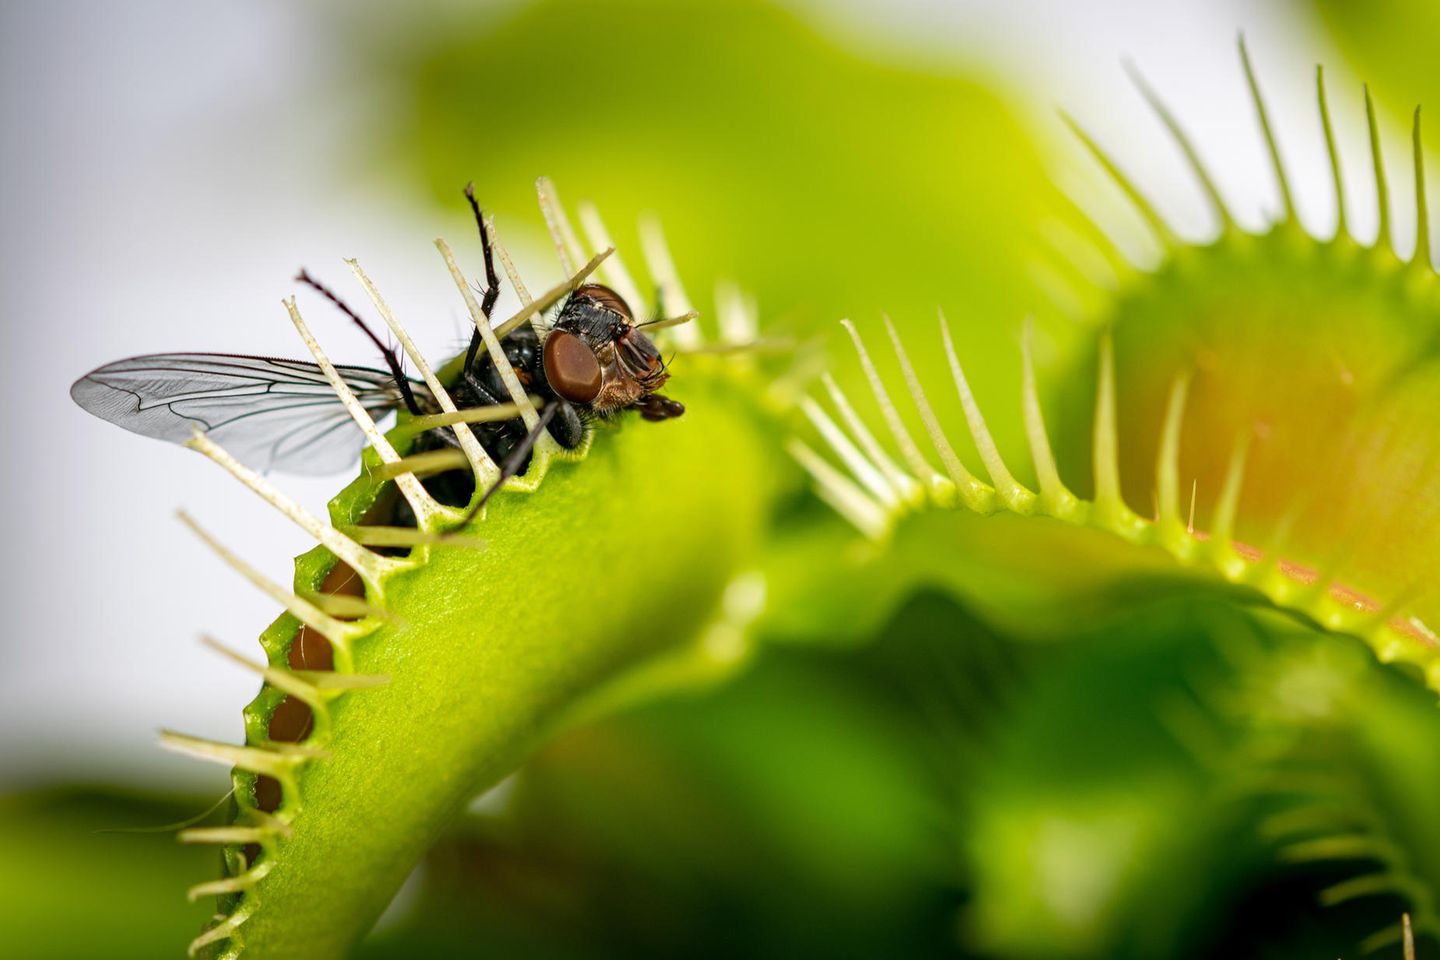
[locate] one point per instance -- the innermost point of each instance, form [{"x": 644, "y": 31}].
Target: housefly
[{"x": 593, "y": 361}]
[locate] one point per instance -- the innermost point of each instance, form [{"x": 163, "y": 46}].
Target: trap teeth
[
  {"x": 369, "y": 565},
  {"x": 337, "y": 632},
  {"x": 492, "y": 343},
  {"x": 423, "y": 505},
  {"x": 481, "y": 465}
]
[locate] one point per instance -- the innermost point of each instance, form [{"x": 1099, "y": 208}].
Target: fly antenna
[{"x": 392, "y": 360}]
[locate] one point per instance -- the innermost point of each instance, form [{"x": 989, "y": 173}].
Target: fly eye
[{"x": 571, "y": 367}]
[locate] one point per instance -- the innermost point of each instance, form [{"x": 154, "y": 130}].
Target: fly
[{"x": 592, "y": 362}]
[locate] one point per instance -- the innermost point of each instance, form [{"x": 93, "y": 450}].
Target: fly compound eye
[{"x": 571, "y": 367}]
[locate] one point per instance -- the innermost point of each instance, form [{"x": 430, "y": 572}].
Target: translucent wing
[{"x": 272, "y": 414}]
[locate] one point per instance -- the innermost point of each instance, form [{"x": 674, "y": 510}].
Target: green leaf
[{"x": 598, "y": 577}]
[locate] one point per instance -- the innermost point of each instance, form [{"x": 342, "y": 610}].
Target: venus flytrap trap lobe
[
  {"x": 1388, "y": 850},
  {"x": 1380, "y": 448},
  {"x": 397, "y": 684}
]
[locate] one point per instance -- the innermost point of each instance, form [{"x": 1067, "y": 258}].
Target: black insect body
[{"x": 592, "y": 362}]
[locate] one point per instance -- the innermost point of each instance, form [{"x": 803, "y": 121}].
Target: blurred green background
[{"x": 903, "y": 771}]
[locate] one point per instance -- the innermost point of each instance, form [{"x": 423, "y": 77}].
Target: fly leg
[
  {"x": 493, "y": 434},
  {"x": 492, "y": 281},
  {"x": 513, "y": 461},
  {"x": 392, "y": 359},
  {"x": 482, "y": 392}
]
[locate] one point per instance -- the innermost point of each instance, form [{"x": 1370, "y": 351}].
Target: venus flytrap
[
  {"x": 1269, "y": 398},
  {"x": 397, "y": 685},
  {"x": 1279, "y": 389}
]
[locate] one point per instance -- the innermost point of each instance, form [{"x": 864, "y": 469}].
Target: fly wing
[{"x": 272, "y": 414}]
